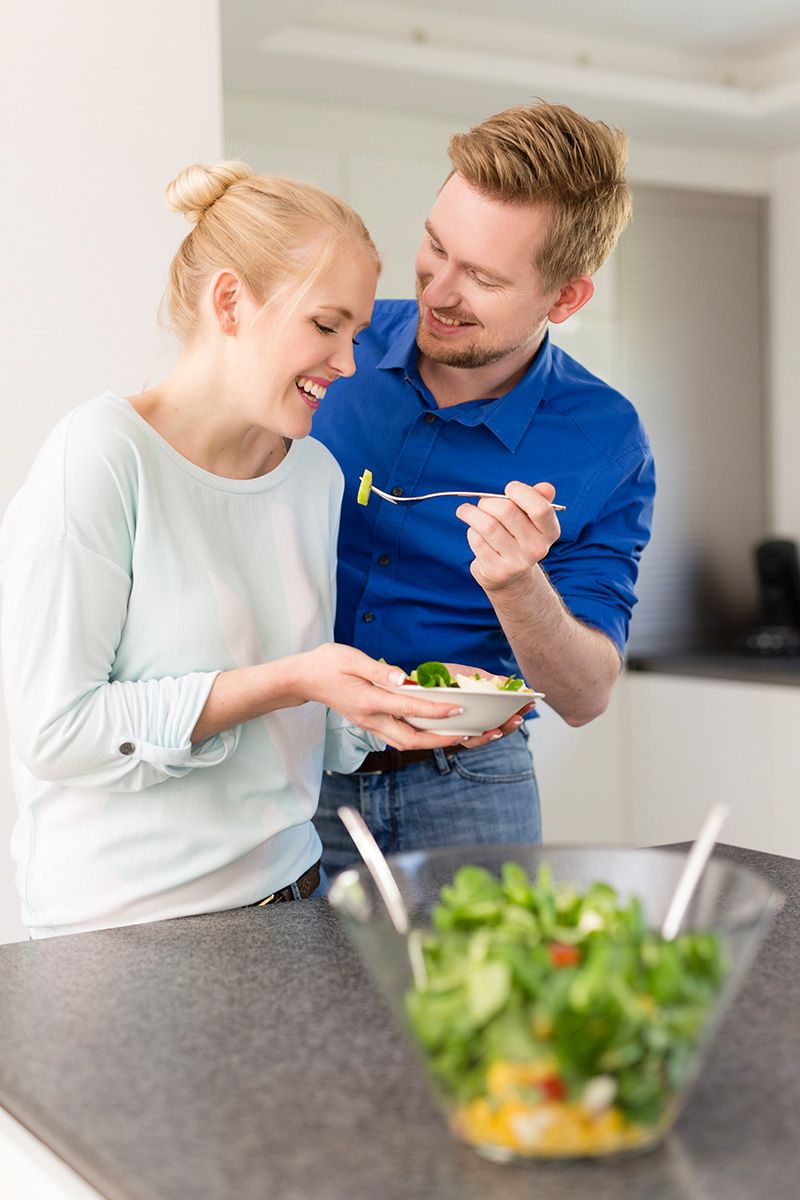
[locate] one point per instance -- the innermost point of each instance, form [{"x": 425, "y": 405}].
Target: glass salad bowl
[{"x": 552, "y": 1019}]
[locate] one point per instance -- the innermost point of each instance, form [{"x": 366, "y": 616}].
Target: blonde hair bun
[{"x": 197, "y": 187}]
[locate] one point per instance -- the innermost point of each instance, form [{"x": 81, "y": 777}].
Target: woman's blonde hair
[
  {"x": 263, "y": 227},
  {"x": 548, "y": 154}
]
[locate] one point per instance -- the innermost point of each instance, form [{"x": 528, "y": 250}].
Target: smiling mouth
[
  {"x": 310, "y": 391},
  {"x": 450, "y": 323}
]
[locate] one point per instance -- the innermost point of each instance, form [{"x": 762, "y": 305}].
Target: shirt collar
[{"x": 508, "y": 417}]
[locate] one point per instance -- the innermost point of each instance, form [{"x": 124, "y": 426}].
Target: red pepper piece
[
  {"x": 553, "y": 1087},
  {"x": 563, "y": 956}
]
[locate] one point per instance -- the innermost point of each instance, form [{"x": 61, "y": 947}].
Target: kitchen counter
[
  {"x": 246, "y": 1056},
  {"x": 741, "y": 668}
]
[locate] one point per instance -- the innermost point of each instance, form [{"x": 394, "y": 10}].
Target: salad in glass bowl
[{"x": 553, "y": 1019}]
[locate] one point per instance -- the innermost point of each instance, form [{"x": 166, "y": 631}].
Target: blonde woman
[{"x": 168, "y": 570}]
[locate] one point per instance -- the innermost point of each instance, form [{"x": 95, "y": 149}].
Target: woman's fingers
[{"x": 405, "y": 737}]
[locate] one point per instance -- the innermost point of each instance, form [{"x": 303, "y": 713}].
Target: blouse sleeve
[
  {"x": 346, "y": 745},
  {"x": 65, "y": 604}
]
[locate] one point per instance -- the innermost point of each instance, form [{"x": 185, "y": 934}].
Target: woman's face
[{"x": 284, "y": 366}]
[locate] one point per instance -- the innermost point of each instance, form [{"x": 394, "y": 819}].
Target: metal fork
[{"x": 435, "y": 496}]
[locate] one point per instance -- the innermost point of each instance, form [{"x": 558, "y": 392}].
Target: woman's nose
[{"x": 342, "y": 361}]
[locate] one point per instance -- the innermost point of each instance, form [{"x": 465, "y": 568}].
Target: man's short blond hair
[{"x": 547, "y": 154}]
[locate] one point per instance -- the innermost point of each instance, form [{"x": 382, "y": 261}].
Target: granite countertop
[{"x": 246, "y": 1056}]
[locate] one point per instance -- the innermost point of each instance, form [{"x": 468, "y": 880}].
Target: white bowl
[{"x": 482, "y": 710}]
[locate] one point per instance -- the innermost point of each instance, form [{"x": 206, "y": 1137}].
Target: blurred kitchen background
[{"x": 696, "y": 317}]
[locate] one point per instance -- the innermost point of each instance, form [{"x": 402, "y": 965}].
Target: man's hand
[
  {"x": 510, "y": 726},
  {"x": 510, "y": 536}
]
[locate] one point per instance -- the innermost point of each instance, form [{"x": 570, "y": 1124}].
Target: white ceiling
[
  {"x": 716, "y": 25},
  {"x": 713, "y": 72}
]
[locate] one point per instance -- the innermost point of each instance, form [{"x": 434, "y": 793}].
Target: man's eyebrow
[{"x": 471, "y": 265}]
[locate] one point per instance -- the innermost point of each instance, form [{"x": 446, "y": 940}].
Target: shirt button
[
  {"x": 127, "y": 748},
  {"x": 430, "y": 417},
  {"x": 384, "y": 560},
  {"x": 397, "y": 491},
  {"x": 368, "y": 616}
]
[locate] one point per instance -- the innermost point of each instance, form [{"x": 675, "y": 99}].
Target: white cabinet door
[{"x": 691, "y": 741}]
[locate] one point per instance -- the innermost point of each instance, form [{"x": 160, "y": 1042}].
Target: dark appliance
[{"x": 778, "y": 572}]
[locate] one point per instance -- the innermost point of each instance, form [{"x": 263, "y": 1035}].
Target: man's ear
[
  {"x": 226, "y": 291},
  {"x": 572, "y": 296}
]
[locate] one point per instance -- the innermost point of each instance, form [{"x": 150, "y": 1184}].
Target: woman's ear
[
  {"x": 572, "y": 296},
  {"x": 225, "y": 294}
]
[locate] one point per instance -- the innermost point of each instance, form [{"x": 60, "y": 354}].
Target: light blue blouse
[{"x": 131, "y": 579}]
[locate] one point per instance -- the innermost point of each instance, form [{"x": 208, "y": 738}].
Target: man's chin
[{"x": 465, "y": 356}]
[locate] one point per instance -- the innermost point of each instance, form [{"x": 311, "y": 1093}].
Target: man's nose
[{"x": 441, "y": 290}]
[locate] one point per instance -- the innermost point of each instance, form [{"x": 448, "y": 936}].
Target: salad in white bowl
[{"x": 487, "y": 700}]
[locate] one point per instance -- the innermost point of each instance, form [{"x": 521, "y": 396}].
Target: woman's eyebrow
[
  {"x": 343, "y": 312},
  {"x": 470, "y": 265}
]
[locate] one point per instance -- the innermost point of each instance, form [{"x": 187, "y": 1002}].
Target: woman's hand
[
  {"x": 341, "y": 678},
  {"x": 347, "y": 680}
]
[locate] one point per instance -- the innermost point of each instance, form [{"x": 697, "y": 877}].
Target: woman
[{"x": 168, "y": 570}]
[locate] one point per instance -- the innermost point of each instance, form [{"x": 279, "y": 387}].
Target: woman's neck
[{"x": 199, "y": 417}]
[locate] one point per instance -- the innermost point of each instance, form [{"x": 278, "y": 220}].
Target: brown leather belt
[
  {"x": 306, "y": 883},
  {"x": 394, "y": 760}
]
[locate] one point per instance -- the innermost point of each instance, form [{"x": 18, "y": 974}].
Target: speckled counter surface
[{"x": 245, "y": 1056}]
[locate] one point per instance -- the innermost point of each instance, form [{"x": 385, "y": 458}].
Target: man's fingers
[
  {"x": 535, "y": 501},
  {"x": 544, "y": 489}
]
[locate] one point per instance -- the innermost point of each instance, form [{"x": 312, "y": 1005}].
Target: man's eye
[
  {"x": 324, "y": 328},
  {"x": 436, "y": 249}
]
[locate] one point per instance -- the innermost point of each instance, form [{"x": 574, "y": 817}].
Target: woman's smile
[{"x": 312, "y": 389}]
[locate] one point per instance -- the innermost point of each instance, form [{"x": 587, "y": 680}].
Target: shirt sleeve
[
  {"x": 70, "y": 720},
  {"x": 596, "y": 575},
  {"x": 346, "y": 746}
]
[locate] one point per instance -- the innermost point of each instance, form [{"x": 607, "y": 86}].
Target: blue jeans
[{"x": 484, "y": 795}]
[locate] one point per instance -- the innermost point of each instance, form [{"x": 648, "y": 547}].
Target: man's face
[{"x": 480, "y": 297}]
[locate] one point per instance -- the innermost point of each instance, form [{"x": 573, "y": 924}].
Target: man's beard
[{"x": 467, "y": 357}]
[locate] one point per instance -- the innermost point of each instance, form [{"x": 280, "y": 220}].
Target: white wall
[
  {"x": 102, "y": 102},
  {"x": 784, "y": 318}
]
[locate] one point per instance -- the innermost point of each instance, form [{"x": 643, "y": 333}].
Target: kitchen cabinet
[{"x": 689, "y": 741}]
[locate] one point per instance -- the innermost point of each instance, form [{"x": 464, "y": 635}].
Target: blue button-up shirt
[{"x": 405, "y": 592}]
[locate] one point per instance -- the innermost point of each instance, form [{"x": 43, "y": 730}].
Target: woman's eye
[{"x": 324, "y": 328}]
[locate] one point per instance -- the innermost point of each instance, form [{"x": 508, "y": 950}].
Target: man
[{"x": 464, "y": 391}]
